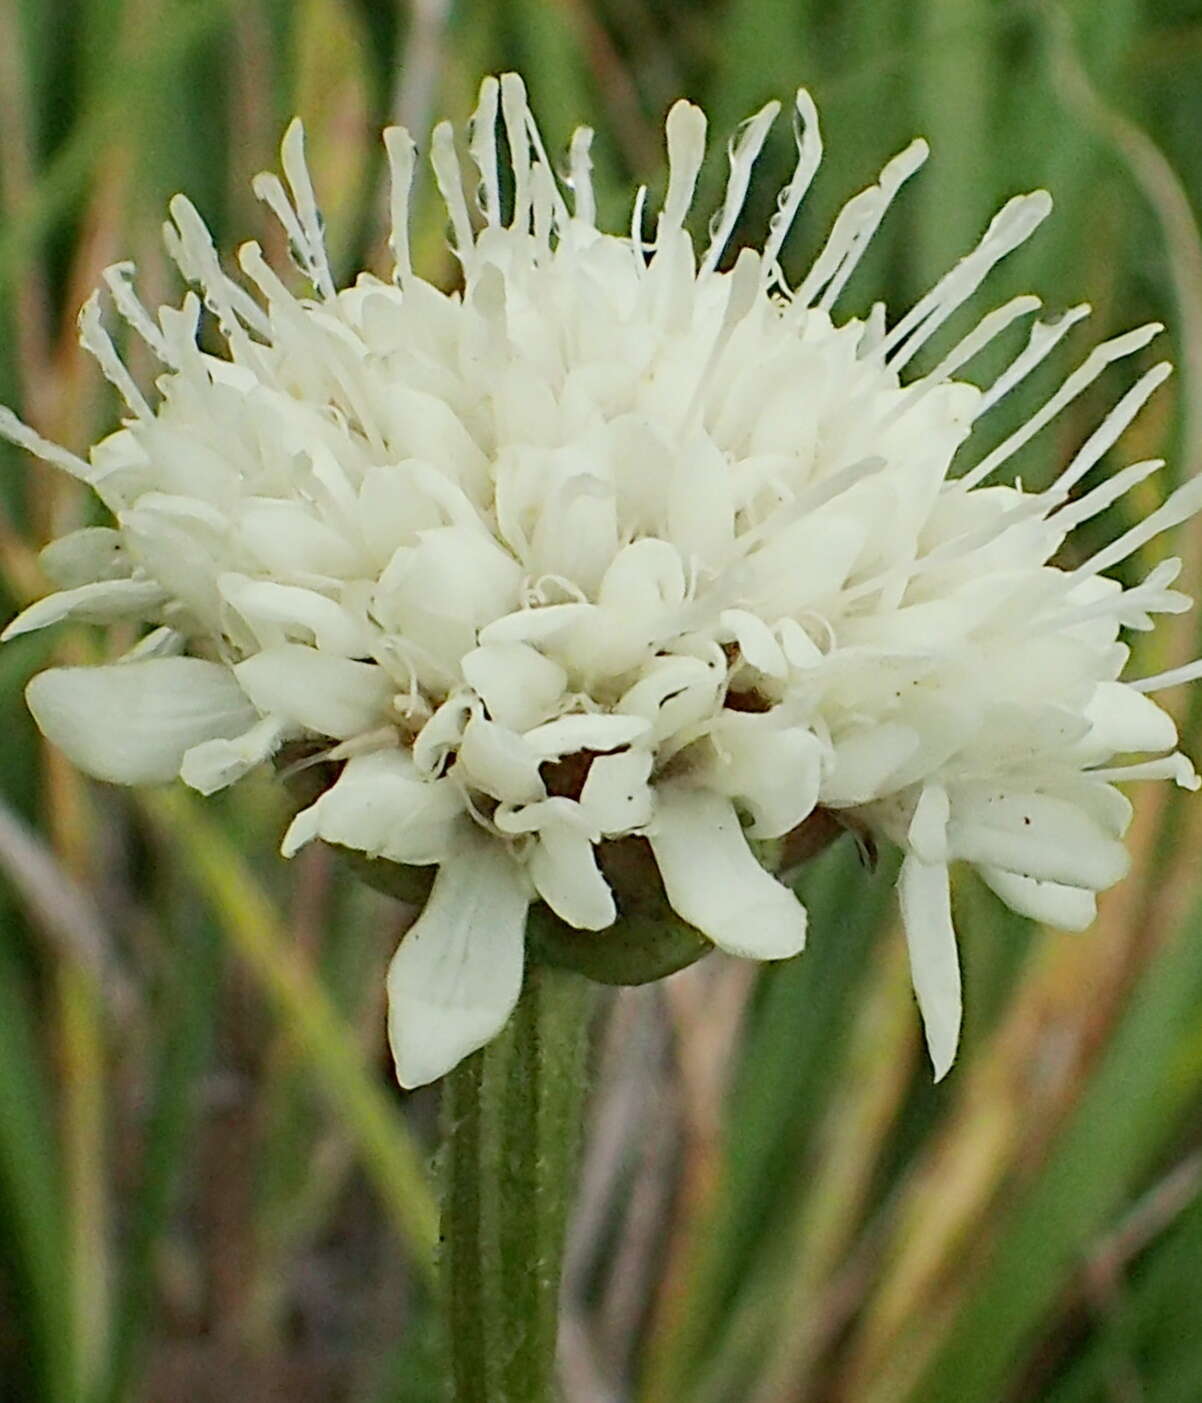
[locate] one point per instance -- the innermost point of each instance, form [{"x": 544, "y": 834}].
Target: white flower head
[{"x": 626, "y": 539}]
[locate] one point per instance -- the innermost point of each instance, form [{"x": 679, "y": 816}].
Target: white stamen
[
  {"x": 808, "y": 136},
  {"x": 97, "y": 342},
  {"x": 292, "y": 154},
  {"x": 743, "y": 152},
  {"x": 483, "y": 146},
  {"x": 685, "y": 132},
  {"x": 118, "y": 277},
  {"x": 24, "y": 437},
  {"x": 513, "y": 110},
  {"x": 449, "y": 178},
  {"x": 1069, "y": 517},
  {"x": 199, "y": 262},
  {"x": 1174, "y": 677},
  {"x": 1179, "y": 506},
  {"x": 1012, "y": 226},
  {"x": 1044, "y": 338},
  {"x": 1111, "y": 428},
  {"x": 1081, "y": 379},
  {"x": 402, "y": 157},
  {"x": 895, "y": 174}
]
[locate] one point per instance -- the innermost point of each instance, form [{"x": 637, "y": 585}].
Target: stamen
[
  {"x": 1044, "y": 338},
  {"x": 1175, "y": 767},
  {"x": 854, "y": 215},
  {"x": 987, "y": 329},
  {"x": 1084, "y": 376},
  {"x": 1013, "y": 224},
  {"x": 119, "y": 279},
  {"x": 895, "y": 174},
  {"x": 402, "y": 159},
  {"x": 449, "y": 178},
  {"x": 197, "y": 259},
  {"x": 97, "y": 342},
  {"x": 559, "y": 209},
  {"x": 513, "y": 110},
  {"x": 292, "y": 154},
  {"x": 638, "y": 243},
  {"x": 1179, "y": 507},
  {"x": 581, "y": 179},
  {"x": 685, "y": 133},
  {"x": 1111, "y": 428},
  {"x": 808, "y": 136},
  {"x": 482, "y": 127},
  {"x": 24, "y": 437},
  {"x": 1174, "y": 677},
  {"x": 1069, "y": 517},
  {"x": 742, "y": 152}
]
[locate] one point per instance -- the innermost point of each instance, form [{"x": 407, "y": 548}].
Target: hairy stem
[{"x": 512, "y": 1115}]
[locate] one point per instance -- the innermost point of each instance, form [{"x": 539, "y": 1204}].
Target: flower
[{"x": 618, "y": 542}]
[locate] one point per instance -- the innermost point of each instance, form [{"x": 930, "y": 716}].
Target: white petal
[
  {"x": 616, "y": 797},
  {"x": 457, "y": 974},
  {"x": 772, "y": 770},
  {"x": 517, "y": 684},
  {"x": 532, "y": 818},
  {"x": 1122, "y": 720},
  {"x": 755, "y": 641},
  {"x": 286, "y": 538},
  {"x": 585, "y": 732},
  {"x": 215, "y": 764},
  {"x": 863, "y": 763},
  {"x": 1067, "y": 908},
  {"x": 329, "y": 696},
  {"x": 1035, "y": 835},
  {"x": 714, "y": 882},
  {"x": 132, "y": 723},
  {"x": 563, "y": 866},
  {"x": 673, "y": 693},
  {"x": 934, "y": 963},
  {"x": 334, "y": 629},
  {"x": 441, "y": 733},
  {"x": 91, "y": 553},
  {"x": 381, "y": 806},
  {"x": 927, "y": 836},
  {"x": 500, "y": 762},
  {"x": 93, "y": 603}
]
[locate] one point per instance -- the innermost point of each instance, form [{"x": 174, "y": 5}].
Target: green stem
[{"x": 512, "y": 1116}]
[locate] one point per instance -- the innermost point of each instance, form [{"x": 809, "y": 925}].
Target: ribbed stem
[{"x": 512, "y": 1116}]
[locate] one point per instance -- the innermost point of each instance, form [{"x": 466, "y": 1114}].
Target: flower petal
[
  {"x": 563, "y": 866},
  {"x": 132, "y": 723},
  {"x": 714, "y": 882},
  {"x": 80, "y": 557},
  {"x": 1052, "y": 903},
  {"x": 99, "y": 602},
  {"x": 381, "y": 806},
  {"x": 616, "y": 797},
  {"x": 335, "y": 629},
  {"x": 329, "y": 696},
  {"x": 500, "y": 762},
  {"x": 934, "y": 962},
  {"x": 215, "y": 764},
  {"x": 1035, "y": 835},
  {"x": 864, "y": 761},
  {"x": 517, "y": 684},
  {"x": 587, "y": 732},
  {"x": 1122, "y": 720},
  {"x": 457, "y": 974},
  {"x": 772, "y": 770}
]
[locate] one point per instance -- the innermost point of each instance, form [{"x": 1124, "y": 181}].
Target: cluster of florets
[{"x": 622, "y": 540}]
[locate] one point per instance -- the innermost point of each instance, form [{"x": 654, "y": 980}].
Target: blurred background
[{"x": 210, "y": 1188}]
